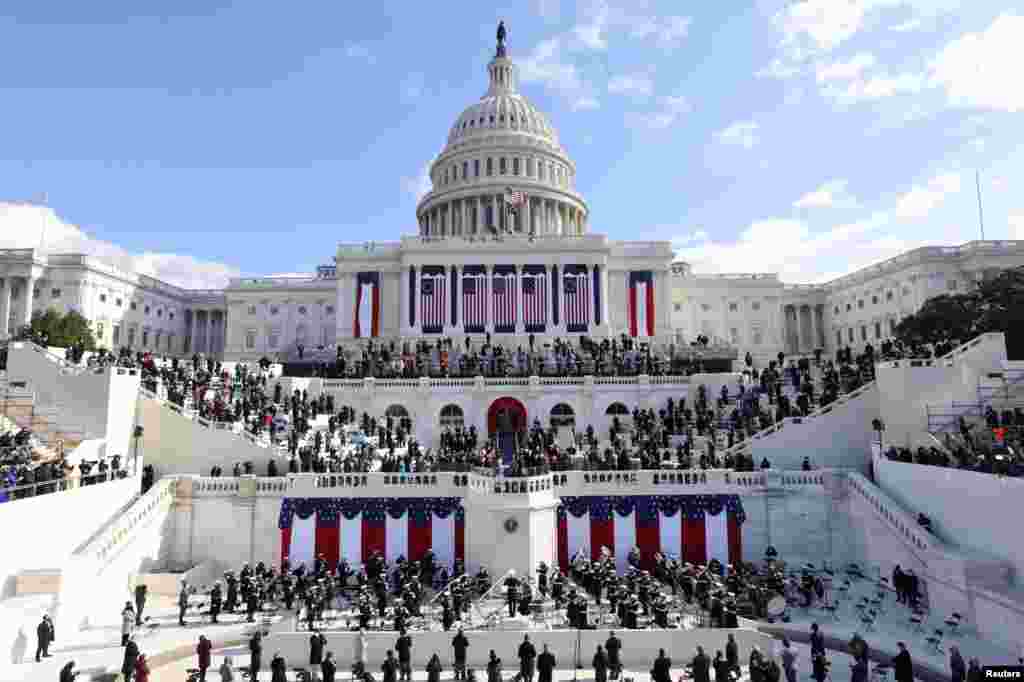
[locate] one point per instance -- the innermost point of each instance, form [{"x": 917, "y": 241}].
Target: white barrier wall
[
  {"x": 977, "y": 511},
  {"x": 639, "y": 648},
  {"x": 839, "y": 439},
  {"x": 42, "y": 532}
]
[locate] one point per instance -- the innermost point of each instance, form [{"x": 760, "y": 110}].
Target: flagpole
[{"x": 981, "y": 215}]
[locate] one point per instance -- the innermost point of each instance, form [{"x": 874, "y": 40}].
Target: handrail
[
  {"x": 58, "y": 485},
  {"x": 107, "y": 539},
  {"x": 963, "y": 348},
  {"x": 68, "y": 367}
]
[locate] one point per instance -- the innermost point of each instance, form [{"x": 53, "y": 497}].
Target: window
[
  {"x": 159, "y": 338},
  {"x": 145, "y": 338},
  {"x": 465, "y": 170},
  {"x": 451, "y": 417},
  {"x": 758, "y": 336},
  {"x": 888, "y": 296},
  {"x": 878, "y": 330},
  {"x": 540, "y": 169},
  {"x": 396, "y": 412},
  {"x": 951, "y": 285},
  {"x": 274, "y": 310},
  {"x": 476, "y": 168},
  {"x": 839, "y": 338},
  {"x": 848, "y": 307},
  {"x": 118, "y": 302},
  {"x": 159, "y": 312},
  {"x": 103, "y": 298},
  {"x": 677, "y": 307},
  {"x": 502, "y": 165},
  {"x": 252, "y": 310},
  {"x": 134, "y": 305},
  {"x": 55, "y": 293},
  {"x": 892, "y": 327},
  {"x": 250, "y": 339},
  {"x": 330, "y": 309},
  {"x": 302, "y": 310},
  {"x": 146, "y": 311},
  {"x": 906, "y": 291},
  {"x": 562, "y": 415},
  {"x": 705, "y": 307},
  {"x": 272, "y": 338},
  {"x": 326, "y": 336},
  {"x": 100, "y": 331},
  {"x": 849, "y": 334},
  {"x": 515, "y": 166},
  {"x": 734, "y": 336},
  {"x": 756, "y": 305},
  {"x": 131, "y": 336},
  {"x": 170, "y": 342},
  {"x": 874, "y": 300},
  {"x": 860, "y": 304},
  {"x": 733, "y": 307},
  {"x": 863, "y": 333},
  {"x": 490, "y": 166},
  {"x": 117, "y": 334},
  {"x": 617, "y": 410},
  {"x": 529, "y": 168},
  {"x": 835, "y": 311},
  {"x": 171, "y": 316}
]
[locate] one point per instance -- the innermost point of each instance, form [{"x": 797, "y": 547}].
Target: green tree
[{"x": 62, "y": 330}]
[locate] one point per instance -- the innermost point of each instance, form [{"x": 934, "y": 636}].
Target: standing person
[
  {"x": 613, "y": 646},
  {"x": 317, "y": 642},
  {"x": 493, "y": 668},
  {"x": 141, "y": 591},
  {"x": 43, "y": 639},
  {"x": 128, "y": 618},
  {"x": 434, "y": 668},
  {"x": 328, "y": 669},
  {"x": 701, "y": 666},
  {"x": 131, "y": 657},
  {"x": 600, "y": 663},
  {"x": 903, "y": 667},
  {"x": 390, "y": 667},
  {"x": 278, "y": 668},
  {"x": 203, "y": 650},
  {"x": 974, "y": 673},
  {"x": 460, "y": 645},
  {"x": 527, "y": 658},
  {"x": 255, "y": 652},
  {"x": 404, "y": 647},
  {"x": 819, "y": 668},
  {"x": 182, "y": 603},
  {"x": 662, "y": 669},
  {"x": 359, "y": 650},
  {"x": 141, "y": 669},
  {"x": 227, "y": 673},
  {"x": 788, "y": 661},
  {"x": 67, "y": 673},
  {"x": 545, "y": 665},
  {"x": 732, "y": 653},
  {"x": 957, "y": 669},
  {"x": 817, "y": 641}
]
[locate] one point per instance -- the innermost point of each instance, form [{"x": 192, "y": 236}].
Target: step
[{"x": 38, "y": 581}]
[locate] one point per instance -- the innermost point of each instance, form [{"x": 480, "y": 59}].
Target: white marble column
[
  {"x": 5, "y": 307},
  {"x": 560, "y": 293},
  {"x": 663, "y": 308},
  {"x": 30, "y": 292},
  {"x": 528, "y": 214},
  {"x": 403, "y": 300},
  {"x": 520, "y": 326},
  {"x": 605, "y": 297},
  {"x": 460, "y": 323},
  {"x": 488, "y": 273},
  {"x": 344, "y": 306}
]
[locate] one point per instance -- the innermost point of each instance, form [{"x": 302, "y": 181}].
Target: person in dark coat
[
  {"x": 527, "y": 658},
  {"x": 434, "y": 668},
  {"x": 131, "y": 655},
  {"x": 328, "y": 668},
  {"x": 203, "y": 650},
  {"x": 141, "y": 591},
  {"x": 404, "y": 647},
  {"x": 255, "y": 653},
  {"x": 819, "y": 667},
  {"x": 817, "y": 641},
  {"x": 317, "y": 642},
  {"x": 389, "y": 668},
  {"x": 701, "y": 664},
  {"x": 721, "y": 667},
  {"x": 67, "y": 673},
  {"x": 732, "y": 653},
  {"x": 43, "y": 638},
  {"x": 278, "y": 669},
  {"x": 957, "y": 667},
  {"x": 600, "y": 663},
  {"x": 612, "y": 647},
  {"x": 662, "y": 670},
  {"x": 903, "y": 667},
  {"x": 974, "y": 672},
  {"x": 545, "y": 665},
  {"x": 859, "y": 671},
  {"x": 460, "y": 644}
]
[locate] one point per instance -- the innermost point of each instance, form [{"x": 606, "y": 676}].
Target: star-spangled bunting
[
  {"x": 372, "y": 509},
  {"x": 694, "y": 507}
]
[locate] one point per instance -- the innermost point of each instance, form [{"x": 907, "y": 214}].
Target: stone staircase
[{"x": 20, "y": 406}]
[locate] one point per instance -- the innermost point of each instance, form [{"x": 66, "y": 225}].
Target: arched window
[
  {"x": 617, "y": 410},
  {"x": 396, "y": 411},
  {"x": 562, "y": 415},
  {"x": 490, "y": 166},
  {"x": 451, "y": 416}
]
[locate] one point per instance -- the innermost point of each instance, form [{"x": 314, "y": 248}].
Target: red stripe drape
[
  {"x": 328, "y": 540},
  {"x": 648, "y": 540},
  {"x": 650, "y": 307},
  {"x": 632, "y": 310},
  {"x": 602, "y": 534},
  {"x": 460, "y": 539},
  {"x": 355, "y": 313},
  {"x": 695, "y": 545},
  {"x": 374, "y": 540},
  {"x": 735, "y": 540},
  {"x": 376, "y": 309},
  {"x": 421, "y": 538},
  {"x": 563, "y": 543},
  {"x": 286, "y": 543}
]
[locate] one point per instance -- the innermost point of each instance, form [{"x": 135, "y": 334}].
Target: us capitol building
[{"x": 503, "y": 246}]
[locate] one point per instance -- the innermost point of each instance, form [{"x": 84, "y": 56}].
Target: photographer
[{"x": 67, "y": 674}]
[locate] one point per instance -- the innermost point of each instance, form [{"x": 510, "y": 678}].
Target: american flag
[
  {"x": 503, "y": 285},
  {"x": 535, "y": 298},
  {"x": 577, "y": 301},
  {"x": 515, "y": 199},
  {"x": 474, "y": 302},
  {"x": 432, "y": 303}
]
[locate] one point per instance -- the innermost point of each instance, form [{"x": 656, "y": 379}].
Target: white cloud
[
  {"x": 669, "y": 111},
  {"x": 548, "y": 66},
  {"x": 741, "y": 133},
  {"x": 590, "y": 32},
  {"x": 876, "y": 87},
  {"x": 832, "y": 194},
  {"x": 982, "y": 70},
  {"x": 639, "y": 85},
  {"x": 418, "y": 185},
  {"x": 549, "y": 10},
  {"x": 1015, "y": 222},
  {"x": 920, "y": 201},
  {"x": 668, "y": 33},
  {"x": 26, "y": 226},
  {"x": 851, "y": 68},
  {"x": 907, "y": 26}
]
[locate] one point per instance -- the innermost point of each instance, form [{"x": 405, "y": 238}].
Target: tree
[{"x": 62, "y": 330}]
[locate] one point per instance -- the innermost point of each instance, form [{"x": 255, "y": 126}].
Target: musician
[
  {"x": 634, "y": 558},
  {"x": 527, "y": 657},
  {"x": 493, "y": 668},
  {"x": 404, "y": 648},
  {"x": 600, "y": 663},
  {"x": 512, "y": 593},
  {"x": 701, "y": 664},
  {"x": 251, "y": 605},
  {"x": 545, "y": 665},
  {"x": 542, "y": 579},
  {"x": 662, "y": 669},
  {"x": 317, "y": 642},
  {"x": 215, "y": 602},
  {"x": 817, "y": 641},
  {"x": 255, "y": 652},
  {"x": 182, "y": 602},
  {"x": 232, "y": 600},
  {"x": 558, "y": 589}
]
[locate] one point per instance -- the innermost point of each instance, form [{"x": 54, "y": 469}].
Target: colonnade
[
  {"x": 11, "y": 289},
  {"x": 803, "y": 328},
  {"x": 469, "y": 216},
  {"x": 206, "y": 331}
]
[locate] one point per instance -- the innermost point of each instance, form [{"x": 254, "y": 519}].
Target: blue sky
[{"x": 216, "y": 138}]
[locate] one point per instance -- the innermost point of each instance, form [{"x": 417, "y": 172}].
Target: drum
[{"x": 776, "y": 606}]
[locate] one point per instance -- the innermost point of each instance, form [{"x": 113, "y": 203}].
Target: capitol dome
[{"x": 502, "y": 169}]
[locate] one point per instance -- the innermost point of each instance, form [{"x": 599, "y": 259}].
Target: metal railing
[{"x": 20, "y": 492}]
